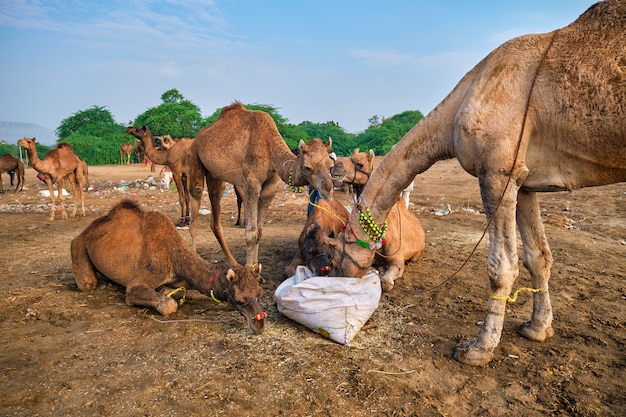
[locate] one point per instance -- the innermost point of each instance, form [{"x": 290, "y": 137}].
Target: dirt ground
[{"x": 67, "y": 353}]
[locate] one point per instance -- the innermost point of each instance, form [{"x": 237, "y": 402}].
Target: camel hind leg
[
  {"x": 82, "y": 268},
  {"x": 216, "y": 190},
  {"x": 537, "y": 258}
]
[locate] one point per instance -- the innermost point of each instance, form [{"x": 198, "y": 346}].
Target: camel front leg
[
  {"x": 142, "y": 295},
  {"x": 253, "y": 207},
  {"x": 180, "y": 187},
  {"x": 537, "y": 258},
  {"x": 502, "y": 269}
]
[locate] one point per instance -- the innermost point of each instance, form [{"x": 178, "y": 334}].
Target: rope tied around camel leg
[{"x": 515, "y": 294}]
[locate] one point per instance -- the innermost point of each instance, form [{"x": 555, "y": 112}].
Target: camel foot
[
  {"x": 167, "y": 306},
  {"x": 534, "y": 333},
  {"x": 469, "y": 354}
]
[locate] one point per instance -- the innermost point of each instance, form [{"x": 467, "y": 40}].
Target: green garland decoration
[{"x": 290, "y": 183}]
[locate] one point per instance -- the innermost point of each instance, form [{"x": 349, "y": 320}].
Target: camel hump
[
  {"x": 237, "y": 105},
  {"x": 64, "y": 145},
  {"x": 127, "y": 204}
]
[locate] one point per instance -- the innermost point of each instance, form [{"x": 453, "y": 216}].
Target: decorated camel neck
[{"x": 284, "y": 163}]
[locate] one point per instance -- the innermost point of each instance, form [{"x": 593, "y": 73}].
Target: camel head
[
  {"x": 138, "y": 132},
  {"x": 313, "y": 166},
  {"x": 240, "y": 286},
  {"x": 354, "y": 170},
  {"x": 350, "y": 256},
  {"x": 316, "y": 254},
  {"x": 27, "y": 143}
]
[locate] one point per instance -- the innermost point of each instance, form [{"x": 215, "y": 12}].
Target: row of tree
[{"x": 96, "y": 137}]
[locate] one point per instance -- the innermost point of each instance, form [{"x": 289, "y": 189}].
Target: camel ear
[
  {"x": 230, "y": 275},
  {"x": 355, "y": 151},
  {"x": 329, "y": 144},
  {"x": 370, "y": 157},
  {"x": 34, "y": 139},
  {"x": 302, "y": 146}
]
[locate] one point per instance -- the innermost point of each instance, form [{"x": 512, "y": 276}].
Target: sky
[{"x": 319, "y": 61}]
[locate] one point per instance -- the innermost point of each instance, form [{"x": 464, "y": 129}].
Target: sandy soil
[{"x": 70, "y": 353}]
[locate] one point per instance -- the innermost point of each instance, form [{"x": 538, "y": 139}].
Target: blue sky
[{"x": 320, "y": 61}]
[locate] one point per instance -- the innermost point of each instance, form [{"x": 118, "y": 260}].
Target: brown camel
[
  {"x": 126, "y": 149},
  {"x": 243, "y": 147},
  {"x": 175, "y": 158},
  {"x": 59, "y": 164},
  {"x": 143, "y": 252},
  {"x": 354, "y": 170},
  {"x": 538, "y": 114},
  {"x": 9, "y": 163}
]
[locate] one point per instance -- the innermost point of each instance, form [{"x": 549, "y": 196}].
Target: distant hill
[{"x": 12, "y": 131}]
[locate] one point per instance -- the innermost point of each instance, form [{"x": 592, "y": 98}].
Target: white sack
[{"x": 335, "y": 307}]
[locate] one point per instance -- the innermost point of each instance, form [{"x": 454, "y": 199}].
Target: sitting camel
[
  {"x": 9, "y": 163},
  {"x": 126, "y": 246},
  {"x": 538, "y": 114},
  {"x": 243, "y": 147},
  {"x": 126, "y": 149},
  {"x": 327, "y": 218},
  {"x": 60, "y": 163}
]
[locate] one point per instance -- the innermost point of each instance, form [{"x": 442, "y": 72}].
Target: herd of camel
[{"x": 540, "y": 113}]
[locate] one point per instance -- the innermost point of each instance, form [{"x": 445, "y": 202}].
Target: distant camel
[
  {"x": 540, "y": 113},
  {"x": 175, "y": 158},
  {"x": 59, "y": 163},
  {"x": 126, "y": 149},
  {"x": 243, "y": 147},
  {"x": 9, "y": 163},
  {"x": 142, "y": 251}
]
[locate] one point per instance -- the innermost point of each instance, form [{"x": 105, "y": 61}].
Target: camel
[
  {"x": 354, "y": 170},
  {"x": 127, "y": 247},
  {"x": 126, "y": 149},
  {"x": 59, "y": 164},
  {"x": 175, "y": 158},
  {"x": 243, "y": 147},
  {"x": 538, "y": 114},
  {"x": 327, "y": 219},
  {"x": 9, "y": 163}
]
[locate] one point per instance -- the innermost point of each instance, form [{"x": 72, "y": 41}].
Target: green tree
[
  {"x": 382, "y": 137},
  {"x": 175, "y": 116},
  {"x": 343, "y": 142},
  {"x": 95, "y": 121}
]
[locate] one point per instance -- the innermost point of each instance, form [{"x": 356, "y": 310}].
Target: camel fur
[
  {"x": 243, "y": 147},
  {"x": 60, "y": 164},
  {"x": 127, "y": 247},
  {"x": 540, "y": 113},
  {"x": 10, "y": 163}
]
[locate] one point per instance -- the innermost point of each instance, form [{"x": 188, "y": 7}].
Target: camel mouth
[{"x": 255, "y": 317}]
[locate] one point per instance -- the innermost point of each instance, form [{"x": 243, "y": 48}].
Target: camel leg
[
  {"x": 82, "y": 268},
  {"x": 502, "y": 267},
  {"x": 72, "y": 180},
  {"x": 144, "y": 296},
  {"x": 256, "y": 202},
  {"x": 181, "y": 197},
  {"x": 195, "y": 187},
  {"x": 48, "y": 181},
  {"x": 2, "y": 185},
  {"x": 78, "y": 190},
  {"x": 216, "y": 190},
  {"x": 537, "y": 258},
  {"x": 185, "y": 199},
  {"x": 61, "y": 197}
]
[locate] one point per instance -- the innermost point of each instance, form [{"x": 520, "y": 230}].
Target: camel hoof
[
  {"x": 469, "y": 354},
  {"x": 534, "y": 333},
  {"x": 167, "y": 306}
]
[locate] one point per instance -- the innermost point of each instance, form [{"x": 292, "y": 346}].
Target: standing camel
[
  {"x": 59, "y": 164},
  {"x": 243, "y": 147},
  {"x": 175, "y": 158},
  {"x": 9, "y": 163},
  {"x": 126, "y": 149},
  {"x": 538, "y": 114}
]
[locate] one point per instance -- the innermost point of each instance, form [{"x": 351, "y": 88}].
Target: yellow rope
[
  {"x": 214, "y": 298},
  {"x": 515, "y": 294},
  {"x": 176, "y": 291}
]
